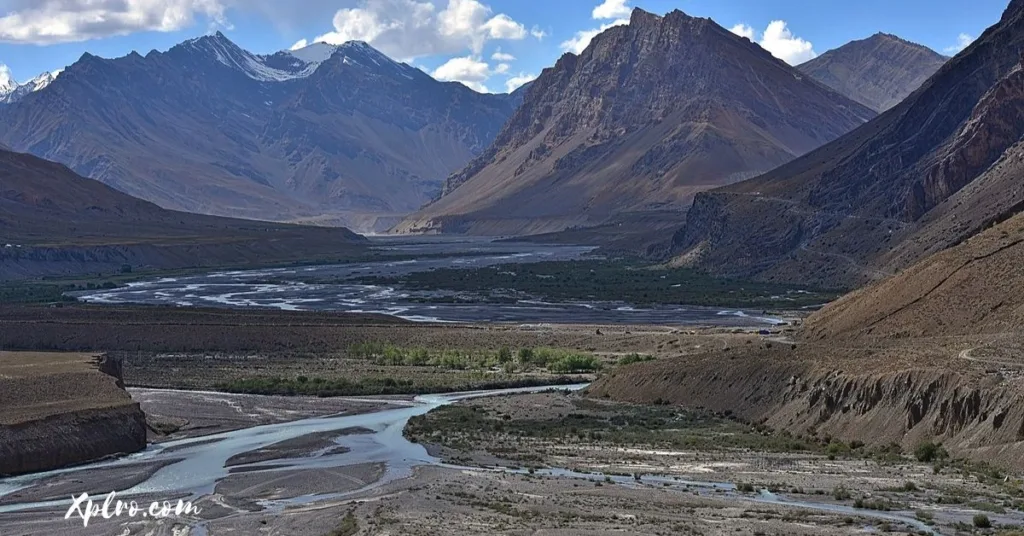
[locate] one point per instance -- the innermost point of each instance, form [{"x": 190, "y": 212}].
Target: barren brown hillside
[
  {"x": 974, "y": 288},
  {"x": 58, "y": 223},
  {"x": 932, "y": 353},
  {"x": 915, "y": 180},
  {"x": 649, "y": 114}
]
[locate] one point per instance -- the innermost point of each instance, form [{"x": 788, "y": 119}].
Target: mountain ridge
[
  {"x": 208, "y": 127},
  {"x": 59, "y": 223},
  {"x": 649, "y": 114},
  {"x": 871, "y": 199},
  {"x": 878, "y": 71}
]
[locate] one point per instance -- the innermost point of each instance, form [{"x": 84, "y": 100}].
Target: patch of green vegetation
[
  {"x": 466, "y": 427},
  {"x": 554, "y": 360},
  {"x": 14, "y": 293},
  {"x": 323, "y": 387},
  {"x": 349, "y": 526},
  {"x": 982, "y": 521},
  {"x": 928, "y": 452},
  {"x": 610, "y": 280}
]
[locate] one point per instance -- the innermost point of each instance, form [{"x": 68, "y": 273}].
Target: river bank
[{"x": 308, "y": 477}]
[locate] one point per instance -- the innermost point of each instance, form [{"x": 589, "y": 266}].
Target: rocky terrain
[
  {"x": 648, "y": 115},
  {"x": 930, "y": 354},
  {"x": 328, "y": 134},
  {"x": 64, "y": 409},
  {"x": 54, "y": 222},
  {"x": 878, "y": 72},
  {"x": 934, "y": 170}
]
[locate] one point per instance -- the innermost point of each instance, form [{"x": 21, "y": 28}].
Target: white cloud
[
  {"x": 516, "y": 82},
  {"x": 475, "y": 73},
  {"x": 537, "y": 33},
  {"x": 503, "y": 27},
  {"x": 582, "y": 39},
  {"x": 608, "y": 9},
  {"x": 743, "y": 30},
  {"x": 45, "y": 22},
  {"x": 962, "y": 41},
  {"x": 7, "y": 81},
  {"x": 469, "y": 70},
  {"x": 407, "y": 29},
  {"x": 612, "y": 9},
  {"x": 301, "y": 43},
  {"x": 502, "y": 56},
  {"x": 778, "y": 40}
]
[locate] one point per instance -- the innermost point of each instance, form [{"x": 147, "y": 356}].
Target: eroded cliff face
[
  {"x": 64, "y": 409},
  {"x": 71, "y": 439},
  {"x": 975, "y": 416}
]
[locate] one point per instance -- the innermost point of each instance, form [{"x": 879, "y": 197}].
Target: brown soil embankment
[
  {"x": 905, "y": 394},
  {"x": 63, "y": 409}
]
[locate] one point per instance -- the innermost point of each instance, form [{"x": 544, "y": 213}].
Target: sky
[{"x": 490, "y": 45}]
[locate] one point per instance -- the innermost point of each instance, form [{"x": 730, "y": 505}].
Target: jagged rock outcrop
[
  {"x": 58, "y": 410},
  {"x": 649, "y": 114},
  {"x": 878, "y": 72},
  {"x": 880, "y": 198}
]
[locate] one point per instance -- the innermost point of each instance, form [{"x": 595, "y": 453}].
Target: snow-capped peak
[
  {"x": 11, "y": 91},
  {"x": 262, "y": 68},
  {"x": 7, "y": 83},
  {"x": 315, "y": 53}
]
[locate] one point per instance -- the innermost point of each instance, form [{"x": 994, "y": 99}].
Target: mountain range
[
  {"x": 11, "y": 91},
  {"x": 55, "y": 222},
  {"x": 649, "y": 114},
  {"x": 926, "y": 175},
  {"x": 325, "y": 134},
  {"x": 878, "y": 72}
]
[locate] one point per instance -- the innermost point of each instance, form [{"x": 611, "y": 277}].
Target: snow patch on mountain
[
  {"x": 11, "y": 91},
  {"x": 315, "y": 53}
]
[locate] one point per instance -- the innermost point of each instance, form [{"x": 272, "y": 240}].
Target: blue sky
[{"x": 488, "y": 44}]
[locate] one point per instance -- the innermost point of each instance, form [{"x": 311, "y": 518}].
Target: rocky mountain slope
[
  {"x": 326, "y": 134},
  {"x": 975, "y": 288},
  {"x": 64, "y": 409},
  {"x": 54, "y": 222},
  {"x": 931, "y": 354},
  {"x": 648, "y": 115},
  {"x": 929, "y": 173},
  {"x": 878, "y": 72}
]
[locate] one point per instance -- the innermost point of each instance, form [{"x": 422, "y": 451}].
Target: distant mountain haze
[
  {"x": 325, "y": 134},
  {"x": 878, "y": 72},
  {"x": 55, "y": 222},
  {"x": 649, "y": 114}
]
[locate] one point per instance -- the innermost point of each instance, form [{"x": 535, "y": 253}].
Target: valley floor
[{"x": 543, "y": 463}]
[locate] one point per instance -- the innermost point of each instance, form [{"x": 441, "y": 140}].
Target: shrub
[
  {"x": 929, "y": 452},
  {"x": 574, "y": 363},
  {"x": 840, "y": 493},
  {"x": 982, "y": 521}
]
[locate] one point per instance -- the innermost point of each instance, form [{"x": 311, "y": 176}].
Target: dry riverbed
[{"x": 660, "y": 447}]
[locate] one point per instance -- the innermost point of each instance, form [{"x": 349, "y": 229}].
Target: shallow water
[
  {"x": 283, "y": 288},
  {"x": 201, "y": 462}
]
